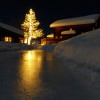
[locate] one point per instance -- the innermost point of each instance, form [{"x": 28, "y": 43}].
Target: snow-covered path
[{"x": 37, "y": 75}]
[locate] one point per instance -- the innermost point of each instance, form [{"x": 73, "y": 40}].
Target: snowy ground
[
  {"x": 6, "y": 46},
  {"x": 82, "y": 54}
]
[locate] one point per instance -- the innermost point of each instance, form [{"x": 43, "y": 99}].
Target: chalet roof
[
  {"x": 11, "y": 28},
  {"x": 76, "y": 21}
]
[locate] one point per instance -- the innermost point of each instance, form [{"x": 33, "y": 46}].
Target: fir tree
[{"x": 30, "y": 27}]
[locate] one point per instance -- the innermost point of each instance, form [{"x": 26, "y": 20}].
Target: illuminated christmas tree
[{"x": 30, "y": 27}]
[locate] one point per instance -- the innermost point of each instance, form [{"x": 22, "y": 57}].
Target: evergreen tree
[{"x": 30, "y": 27}]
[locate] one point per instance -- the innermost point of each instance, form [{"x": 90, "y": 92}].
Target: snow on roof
[
  {"x": 63, "y": 33},
  {"x": 76, "y": 21},
  {"x": 50, "y": 35},
  {"x": 11, "y": 28},
  {"x": 68, "y": 32}
]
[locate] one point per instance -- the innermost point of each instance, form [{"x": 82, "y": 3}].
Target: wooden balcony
[{"x": 50, "y": 40}]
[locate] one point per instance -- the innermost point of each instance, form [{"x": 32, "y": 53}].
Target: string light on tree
[{"x": 30, "y": 27}]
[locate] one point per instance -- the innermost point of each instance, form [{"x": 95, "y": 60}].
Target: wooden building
[
  {"x": 10, "y": 34},
  {"x": 71, "y": 27}
]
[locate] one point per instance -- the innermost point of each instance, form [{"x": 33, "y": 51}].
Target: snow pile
[
  {"x": 47, "y": 47},
  {"x": 6, "y": 46},
  {"x": 81, "y": 53},
  {"x": 83, "y": 49}
]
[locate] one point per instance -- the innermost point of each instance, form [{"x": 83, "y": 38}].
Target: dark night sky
[{"x": 13, "y": 12}]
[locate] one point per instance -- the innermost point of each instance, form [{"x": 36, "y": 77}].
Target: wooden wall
[
  {"x": 6, "y": 33},
  {"x": 78, "y": 28}
]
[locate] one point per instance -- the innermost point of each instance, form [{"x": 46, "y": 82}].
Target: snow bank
[
  {"x": 6, "y": 46},
  {"x": 83, "y": 49},
  {"x": 47, "y": 47},
  {"x": 81, "y": 53}
]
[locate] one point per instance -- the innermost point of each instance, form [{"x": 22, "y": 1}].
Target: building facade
[
  {"x": 10, "y": 34},
  {"x": 71, "y": 27}
]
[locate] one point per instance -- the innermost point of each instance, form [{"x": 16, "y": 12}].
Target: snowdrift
[
  {"x": 82, "y": 54},
  {"x": 47, "y": 47},
  {"x": 82, "y": 49},
  {"x": 6, "y": 46}
]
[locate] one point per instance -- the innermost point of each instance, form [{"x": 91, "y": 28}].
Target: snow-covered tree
[{"x": 30, "y": 27}]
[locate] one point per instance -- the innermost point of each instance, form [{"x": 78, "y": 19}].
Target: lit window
[{"x": 8, "y": 39}]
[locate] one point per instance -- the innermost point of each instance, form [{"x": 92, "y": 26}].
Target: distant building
[
  {"x": 71, "y": 27},
  {"x": 10, "y": 34}
]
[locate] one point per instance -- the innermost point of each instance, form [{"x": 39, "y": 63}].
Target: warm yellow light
[
  {"x": 8, "y": 39},
  {"x": 29, "y": 40},
  {"x": 25, "y": 41},
  {"x": 30, "y": 27},
  {"x": 43, "y": 43},
  {"x": 30, "y": 67}
]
